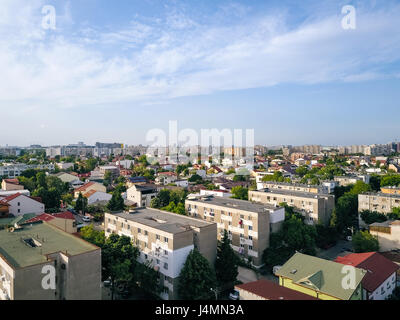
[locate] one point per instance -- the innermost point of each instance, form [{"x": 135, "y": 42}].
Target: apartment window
[
  {"x": 157, "y": 237},
  {"x": 166, "y": 290},
  {"x": 250, "y": 228},
  {"x": 165, "y": 252},
  {"x": 166, "y": 239},
  {"x": 139, "y": 230},
  {"x": 242, "y": 245},
  {"x": 109, "y": 220},
  {"x": 146, "y": 233},
  {"x": 166, "y": 266},
  {"x": 250, "y": 238},
  {"x": 241, "y": 216},
  {"x": 250, "y": 247},
  {"x": 129, "y": 227},
  {"x": 19, "y": 204},
  {"x": 158, "y": 261},
  {"x": 122, "y": 224},
  {"x": 19, "y": 210},
  {"x": 145, "y": 256}
]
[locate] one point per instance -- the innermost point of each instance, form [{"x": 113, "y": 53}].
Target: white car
[
  {"x": 234, "y": 295},
  {"x": 349, "y": 238},
  {"x": 86, "y": 219}
]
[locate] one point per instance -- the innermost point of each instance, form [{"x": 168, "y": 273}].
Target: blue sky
[{"x": 113, "y": 70}]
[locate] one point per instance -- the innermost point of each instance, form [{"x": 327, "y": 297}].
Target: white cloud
[{"x": 154, "y": 61}]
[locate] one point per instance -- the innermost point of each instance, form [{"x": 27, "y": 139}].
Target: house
[
  {"x": 20, "y": 204},
  {"x": 63, "y": 220},
  {"x": 142, "y": 194},
  {"x": 28, "y": 250},
  {"x": 11, "y": 185},
  {"x": 319, "y": 278},
  {"x": 136, "y": 180},
  {"x": 380, "y": 278},
  {"x": 88, "y": 187},
  {"x": 165, "y": 178},
  {"x": 66, "y": 177},
  {"x": 268, "y": 290},
  {"x": 182, "y": 183},
  {"x": 388, "y": 234},
  {"x": 94, "y": 196},
  {"x": 65, "y": 165}
]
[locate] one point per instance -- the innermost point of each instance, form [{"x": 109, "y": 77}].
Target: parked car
[
  {"x": 349, "y": 238},
  {"x": 234, "y": 295},
  {"x": 86, "y": 219},
  {"x": 107, "y": 283}
]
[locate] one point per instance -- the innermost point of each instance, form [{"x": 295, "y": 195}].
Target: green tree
[
  {"x": 41, "y": 180},
  {"x": 226, "y": 264},
  {"x": 372, "y": 216},
  {"x": 390, "y": 180},
  {"x": 345, "y": 214},
  {"x": 107, "y": 179},
  {"x": 81, "y": 203},
  {"x": 360, "y": 187},
  {"x": 116, "y": 203},
  {"x": 197, "y": 278},
  {"x": 363, "y": 241},
  {"x": 240, "y": 192},
  {"x": 91, "y": 235},
  {"x": 195, "y": 178}
]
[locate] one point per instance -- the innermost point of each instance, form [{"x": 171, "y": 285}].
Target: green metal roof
[
  {"x": 18, "y": 253},
  {"x": 19, "y": 219},
  {"x": 318, "y": 274}
]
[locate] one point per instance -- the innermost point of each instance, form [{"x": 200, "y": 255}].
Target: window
[
  {"x": 250, "y": 238},
  {"x": 165, "y": 239},
  {"x": 250, "y": 228},
  {"x": 19, "y": 204},
  {"x": 19, "y": 210},
  {"x": 242, "y": 245},
  {"x": 139, "y": 230},
  {"x": 166, "y": 266},
  {"x": 165, "y": 252},
  {"x": 250, "y": 247},
  {"x": 157, "y": 237},
  {"x": 146, "y": 233}
]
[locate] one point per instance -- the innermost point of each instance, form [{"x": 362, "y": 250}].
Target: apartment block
[
  {"x": 30, "y": 253},
  {"x": 165, "y": 240},
  {"x": 315, "y": 207},
  {"x": 379, "y": 202},
  {"x": 248, "y": 224},
  {"x": 387, "y": 233},
  {"x": 295, "y": 187},
  {"x": 344, "y": 181}
]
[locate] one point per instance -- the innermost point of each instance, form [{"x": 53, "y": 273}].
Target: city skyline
[{"x": 288, "y": 71}]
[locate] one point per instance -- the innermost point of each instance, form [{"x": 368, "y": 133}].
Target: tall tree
[
  {"x": 226, "y": 264},
  {"x": 116, "y": 203},
  {"x": 197, "y": 278},
  {"x": 240, "y": 192},
  {"x": 363, "y": 241},
  {"x": 81, "y": 203}
]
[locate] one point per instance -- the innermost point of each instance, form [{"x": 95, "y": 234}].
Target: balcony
[
  {"x": 142, "y": 237},
  {"x": 236, "y": 229},
  {"x": 226, "y": 218},
  {"x": 112, "y": 227}
]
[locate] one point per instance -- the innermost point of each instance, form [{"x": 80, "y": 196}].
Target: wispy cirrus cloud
[{"x": 175, "y": 55}]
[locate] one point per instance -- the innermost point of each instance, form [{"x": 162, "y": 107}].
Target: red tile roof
[
  {"x": 12, "y": 197},
  {"x": 84, "y": 187},
  {"x": 64, "y": 215},
  {"x": 377, "y": 266},
  {"x": 273, "y": 291},
  {"x": 12, "y": 181},
  {"x": 41, "y": 217}
]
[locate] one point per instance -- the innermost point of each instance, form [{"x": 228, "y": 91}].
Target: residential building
[
  {"x": 387, "y": 233},
  {"x": 11, "y": 185},
  {"x": 63, "y": 220},
  {"x": 216, "y": 193},
  {"x": 381, "y": 274},
  {"x": 27, "y": 254},
  {"x": 315, "y": 207},
  {"x": 268, "y": 290},
  {"x": 165, "y": 240},
  {"x": 88, "y": 187},
  {"x": 248, "y": 224},
  {"x": 379, "y": 202},
  {"x": 67, "y": 177},
  {"x": 142, "y": 194},
  {"x": 65, "y": 165},
  {"x": 294, "y": 187},
  {"x": 390, "y": 190},
  {"x": 113, "y": 170},
  {"x": 20, "y": 204},
  {"x": 319, "y": 278},
  {"x": 165, "y": 178},
  {"x": 344, "y": 181},
  {"x": 95, "y": 196}
]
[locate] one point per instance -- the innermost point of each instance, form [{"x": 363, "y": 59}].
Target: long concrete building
[
  {"x": 165, "y": 240},
  {"x": 248, "y": 224},
  {"x": 316, "y": 207},
  {"x": 28, "y": 255},
  {"x": 378, "y": 201}
]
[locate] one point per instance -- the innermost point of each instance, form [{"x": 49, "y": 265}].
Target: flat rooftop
[
  {"x": 162, "y": 220},
  {"x": 293, "y": 193},
  {"x": 234, "y": 203},
  {"x": 381, "y": 194},
  {"x": 16, "y": 250}
]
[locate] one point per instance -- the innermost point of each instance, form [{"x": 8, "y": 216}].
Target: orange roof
[
  {"x": 84, "y": 187},
  {"x": 89, "y": 193},
  {"x": 64, "y": 215}
]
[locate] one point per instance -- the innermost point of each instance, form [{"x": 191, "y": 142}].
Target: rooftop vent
[{"x": 294, "y": 271}]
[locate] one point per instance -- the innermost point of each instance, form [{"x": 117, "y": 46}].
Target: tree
[
  {"x": 197, "y": 278},
  {"x": 363, "y": 241},
  {"x": 360, "y": 187},
  {"x": 41, "y": 180},
  {"x": 345, "y": 214},
  {"x": 195, "y": 178},
  {"x": 372, "y": 216},
  {"x": 240, "y": 192},
  {"x": 326, "y": 236},
  {"x": 390, "y": 180},
  {"x": 107, "y": 179},
  {"x": 302, "y": 171},
  {"x": 226, "y": 264},
  {"x": 91, "y": 235},
  {"x": 237, "y": 178},
  {"x": 81, "y": 203},
  {"x": 277, "y": 176},
  {"x": 118, "y": 261},
  {"x": 116, "y": 203}
]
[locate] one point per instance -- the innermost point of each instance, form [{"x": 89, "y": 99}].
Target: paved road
[
  {"x": 246, "y": 275},
  {"x": 340, "y": 249}
]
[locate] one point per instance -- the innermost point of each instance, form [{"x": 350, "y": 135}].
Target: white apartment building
[
  {"x": 142, "y": 194},
  {"x": 165, "y": 240}
]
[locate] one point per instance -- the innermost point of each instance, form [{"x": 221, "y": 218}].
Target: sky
[{"x": 111, "y": 71}]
